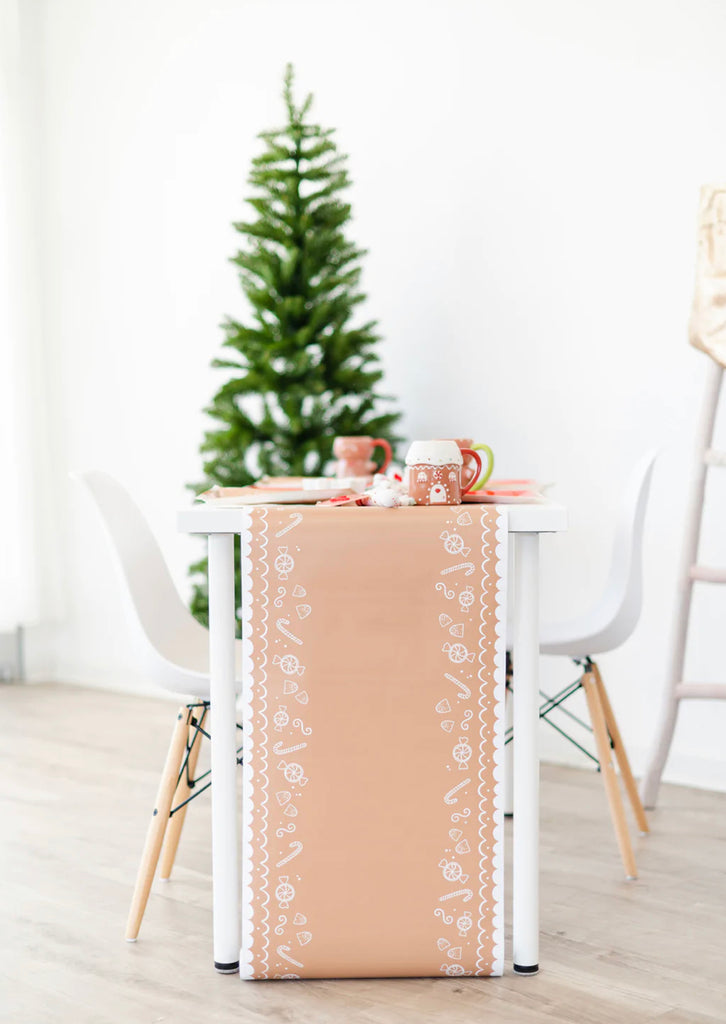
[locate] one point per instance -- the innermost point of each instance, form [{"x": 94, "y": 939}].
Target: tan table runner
[{"x": 373, "y": 728}]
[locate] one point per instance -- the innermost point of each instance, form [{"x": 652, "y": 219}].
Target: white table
[{"x": 526, "y": 523}]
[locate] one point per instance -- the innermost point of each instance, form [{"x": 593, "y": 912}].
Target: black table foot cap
[
  {"x": 227, "y": 968},
  {"x": 525, "y": 970}
]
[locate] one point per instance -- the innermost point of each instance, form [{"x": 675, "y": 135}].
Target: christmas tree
[{"x": 302, "y": 372}]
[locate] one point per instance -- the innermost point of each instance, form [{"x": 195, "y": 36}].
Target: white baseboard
[
  {"x": 681, "y": 769},
  {"x": 130, "y": 684}
]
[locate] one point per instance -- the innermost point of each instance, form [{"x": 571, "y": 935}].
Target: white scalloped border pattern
[
  {"x": 253, "y": 683},
  {"x": 500, "y": 663},
  {"x": 245, "y": 955}
]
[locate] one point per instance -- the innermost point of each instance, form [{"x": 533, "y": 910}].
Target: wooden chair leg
[
  {"x": 607, "y": 770},
  {"x": 158, "y": 823},
  {"x": 182, "y": 792},
  {"x": 619, "y": 747}
]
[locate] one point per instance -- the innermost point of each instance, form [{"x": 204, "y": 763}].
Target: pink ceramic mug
[
  {"x": 354, "y": 455},
  {"x": 435, "y": 471}
]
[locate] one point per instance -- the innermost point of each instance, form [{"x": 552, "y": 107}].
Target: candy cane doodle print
[
  {"x": 469, "y": 566},
  {"x": 296, "y": 520},
  {"x": 279, "y": 749},
  {"x": 450, "y": 798},
  {"x": 282, "y": 952},
  {"x": 464, "y": 691},
  {"x": 296, "y": 846},
  {"x": 466, "y": 895},
  {"x": 281, "y": 623},
  {"x": 458, "y": 654},
  {"x": 290, "y": 669}
]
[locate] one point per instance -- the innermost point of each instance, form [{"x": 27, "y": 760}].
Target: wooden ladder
[{"x": 690, "y": 572}]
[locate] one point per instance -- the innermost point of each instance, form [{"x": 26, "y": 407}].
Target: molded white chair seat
[
  {"x": 170, "y": 644},
  {"x": 174, "y": 649},
  {"x": 606, "y": 625},
  {"x": 610, "y": 621}
]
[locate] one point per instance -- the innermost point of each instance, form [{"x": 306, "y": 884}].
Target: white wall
[{"x": 526, "y": 180}]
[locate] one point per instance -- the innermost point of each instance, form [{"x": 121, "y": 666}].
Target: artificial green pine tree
[{"x": 301, "y": 372}]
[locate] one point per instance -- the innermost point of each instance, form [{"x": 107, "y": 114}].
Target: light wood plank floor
[{"x": 79, "y": 774}]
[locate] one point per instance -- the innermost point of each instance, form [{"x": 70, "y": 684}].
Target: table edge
[{"x": 547, "y": 517}]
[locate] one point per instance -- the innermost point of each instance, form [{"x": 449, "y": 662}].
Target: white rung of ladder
[
  {"x": 707, "y": 574},
  {"x": 701, "y": 691},
  {"x": 690, "y": 572},
  {"x": 712, "y": 457}
]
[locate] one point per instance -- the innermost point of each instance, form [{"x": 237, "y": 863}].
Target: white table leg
[
  {"x": 508, "y": 758},
  {"x": 223, "y": 752},
  {"x": 525, "y": 853}
]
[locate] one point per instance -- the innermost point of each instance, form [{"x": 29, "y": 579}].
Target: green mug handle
[{"x": 490, "y": 465}]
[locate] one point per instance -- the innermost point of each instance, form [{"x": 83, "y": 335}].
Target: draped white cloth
[{"x": 708, "y": 316}]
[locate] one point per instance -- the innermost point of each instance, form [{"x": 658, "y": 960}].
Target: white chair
[
  {"x": 604, "y": 627},
  {"x": 174, "y": 649}
]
